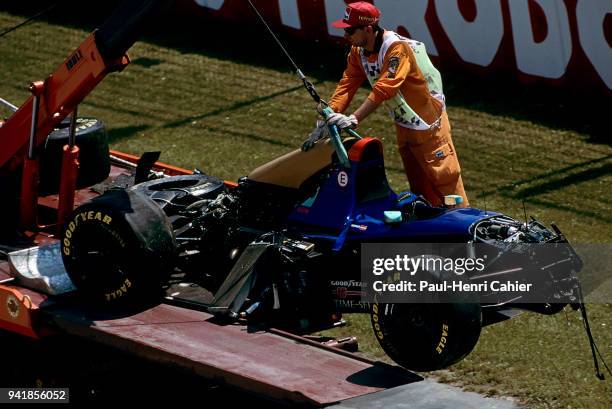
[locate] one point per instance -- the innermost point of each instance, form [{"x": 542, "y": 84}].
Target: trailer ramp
[
  {"x": 272, "y": 364},
  {"x": 284, "y": 368}
]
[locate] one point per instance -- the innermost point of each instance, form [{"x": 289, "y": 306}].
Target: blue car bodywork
[{"x": 350, "y": 205}]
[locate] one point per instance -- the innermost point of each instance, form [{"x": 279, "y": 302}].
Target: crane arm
[{"x": 102, "y": 52}]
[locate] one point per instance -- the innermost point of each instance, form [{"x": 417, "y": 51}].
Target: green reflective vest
[{"x": 399, "y": 109}]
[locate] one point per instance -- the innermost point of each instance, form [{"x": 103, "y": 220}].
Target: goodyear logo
[
  {"x": 79, "y": 218},
  {"x": 375, "y": 321}
]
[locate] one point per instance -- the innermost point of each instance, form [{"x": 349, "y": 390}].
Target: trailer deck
[{"x": 286, "y": 368}]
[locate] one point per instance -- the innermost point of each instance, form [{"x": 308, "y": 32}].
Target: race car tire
[
  {"x": 428, "y": 336},
  {"x": 177, "y": 192},
  {"x": 197, "y": 185},
  {"x": 118, "y": 248},
  {"x": 94, "y": 161}
]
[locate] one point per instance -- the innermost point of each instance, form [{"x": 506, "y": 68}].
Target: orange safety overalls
[{"x": 429, "y": 156}]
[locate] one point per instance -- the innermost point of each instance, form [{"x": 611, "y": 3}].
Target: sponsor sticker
[
  {"x": 393, "y": 65},
  {"x": 12, "y": 306}
]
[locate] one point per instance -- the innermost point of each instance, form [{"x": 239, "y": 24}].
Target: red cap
[{"x": 360, "y": 13}]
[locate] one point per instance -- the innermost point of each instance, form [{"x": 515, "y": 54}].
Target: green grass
[{"x": 204, "y": 109}]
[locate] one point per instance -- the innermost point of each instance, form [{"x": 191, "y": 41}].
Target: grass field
[{"x": 204, "y": 107}]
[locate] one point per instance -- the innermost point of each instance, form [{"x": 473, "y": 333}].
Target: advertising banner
[{"x": 562, "y": 43}]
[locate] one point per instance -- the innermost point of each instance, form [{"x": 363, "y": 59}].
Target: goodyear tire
[
  {"x": 428, "y": 336},
  {"x": 174, "y": 193},
  {"x": 118, "y": 248},
  {"x": 92, "y": 140},
  {"x": 186, "y": 188},
  {"x": 198, "y": 184}
]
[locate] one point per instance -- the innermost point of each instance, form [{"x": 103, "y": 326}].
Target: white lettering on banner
[
  {"x": 548, "y": 58},
  {"x": 289, "y": 13},
  {"x": 334, "y": 10},
  {"x": 211, "y": 4},
  {"x": 590, "y": 15},
  {"x": 411, "y": 16},
  {"x": 478, "y": 41}
]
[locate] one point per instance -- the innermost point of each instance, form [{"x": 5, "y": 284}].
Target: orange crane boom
[
  {"x": 53, "y": 99},
  {"x": 102, "y": 52}
]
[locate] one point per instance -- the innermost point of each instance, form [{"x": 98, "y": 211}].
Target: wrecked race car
[{"x": 282, "y": 248}]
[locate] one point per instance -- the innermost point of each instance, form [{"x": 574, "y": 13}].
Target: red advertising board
[{"x": 566, "y": 43}]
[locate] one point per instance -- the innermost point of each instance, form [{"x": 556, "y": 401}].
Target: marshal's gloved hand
[
  {"x": 342, "y": 121},
  {"x": 319, "y": 132}
]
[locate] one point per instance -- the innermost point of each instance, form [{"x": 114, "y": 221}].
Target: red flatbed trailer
[{"x": 282, "y": 367}]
